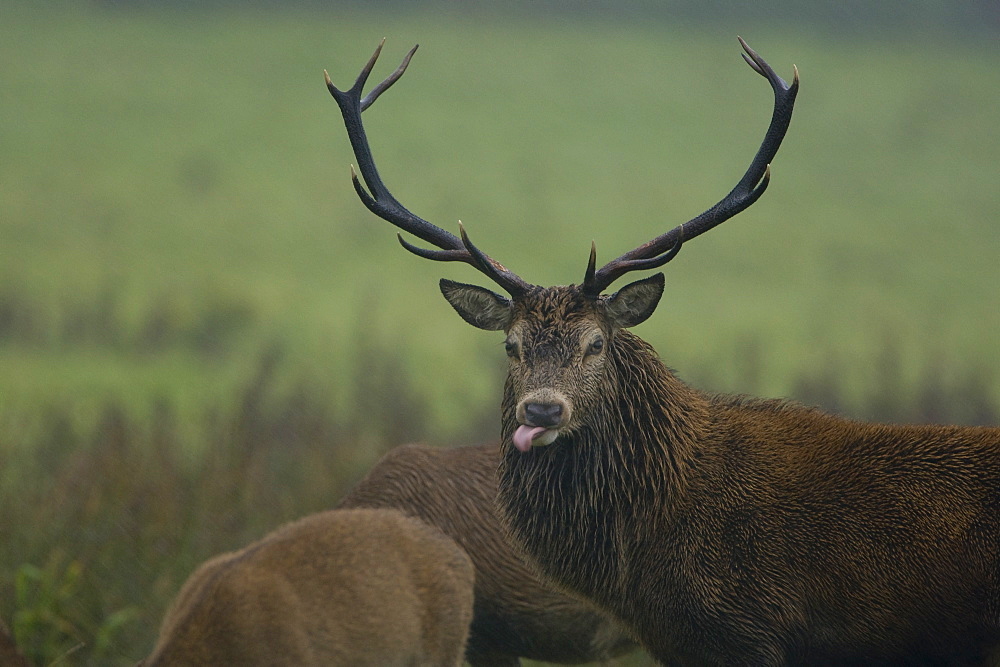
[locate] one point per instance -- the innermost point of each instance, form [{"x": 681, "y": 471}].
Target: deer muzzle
[{"x": 541, "y": 415}]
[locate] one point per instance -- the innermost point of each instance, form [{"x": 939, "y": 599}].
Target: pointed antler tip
[
  {"x": 665, "y": 247},
  {"x": 590, "y": 285},
  {"x": 765, "y": 180},
  {"x": 795, "y": 76}
]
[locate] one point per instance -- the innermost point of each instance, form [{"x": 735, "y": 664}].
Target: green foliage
[
  {"x": 203, "y": 333},
  {"x": 48, "y": 624}
]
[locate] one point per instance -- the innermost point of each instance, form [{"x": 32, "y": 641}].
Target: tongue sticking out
[{"x": 524, "y": 435}]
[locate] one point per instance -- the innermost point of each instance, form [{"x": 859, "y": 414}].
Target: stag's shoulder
[{"x": 744, "y": 409}]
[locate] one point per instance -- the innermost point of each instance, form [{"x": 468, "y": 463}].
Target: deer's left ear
[{"x": 632, "y": 304}]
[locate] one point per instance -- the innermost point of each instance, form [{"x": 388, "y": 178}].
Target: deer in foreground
[
  {"x": 342, "y": 587},
  {"x": 514, "y": 614},
  {"x": 718, "y": 529}
]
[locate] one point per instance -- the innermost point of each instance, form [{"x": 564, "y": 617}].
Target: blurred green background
[{"x": 204, "y": 334}]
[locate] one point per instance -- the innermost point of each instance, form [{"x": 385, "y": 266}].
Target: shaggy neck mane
[{"x": 591, "y": 485}]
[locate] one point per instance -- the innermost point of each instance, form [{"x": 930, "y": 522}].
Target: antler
[
  {"x": 665, "y": 247},
  {"x": 384, "y": 205}
]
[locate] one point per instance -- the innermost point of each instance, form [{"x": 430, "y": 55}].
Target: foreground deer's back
[
  {"x": 344, "y": 587},
  {"x": 515, "y": 615}
]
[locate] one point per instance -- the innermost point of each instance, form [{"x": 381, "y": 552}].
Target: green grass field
[{"x": 186, "y": 270}]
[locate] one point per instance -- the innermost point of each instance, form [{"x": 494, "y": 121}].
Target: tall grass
[{"x": 101, "y": 525}]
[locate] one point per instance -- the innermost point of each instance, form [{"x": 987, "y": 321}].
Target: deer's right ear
[{"x": 478, "y": 306}]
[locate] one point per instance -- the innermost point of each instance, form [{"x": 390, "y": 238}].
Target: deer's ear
[
  {"x": 632, "y": 304},
  {"x": 478, "y": 306}
]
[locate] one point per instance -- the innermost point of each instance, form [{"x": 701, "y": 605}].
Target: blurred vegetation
[{"x": 203, "y": 334}]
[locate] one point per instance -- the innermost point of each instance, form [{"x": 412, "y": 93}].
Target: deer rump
[{"x": 342, "y": 587}]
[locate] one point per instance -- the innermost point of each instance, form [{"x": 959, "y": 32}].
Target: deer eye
[
  {"x": 511, "y": 347},
  {"x": 595, "y": 347}
]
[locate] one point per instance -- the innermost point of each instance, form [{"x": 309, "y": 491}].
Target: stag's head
[
  {"x": 560, "y": 340},
  {"x": 558, "y": 344}
]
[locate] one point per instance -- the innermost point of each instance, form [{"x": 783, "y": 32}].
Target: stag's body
[
  {"x": 343, "y": 587},
  {"x": 514, "y": 614},
  {"x": 726, "y": 530},
  {"x": 719, "y": 530}
]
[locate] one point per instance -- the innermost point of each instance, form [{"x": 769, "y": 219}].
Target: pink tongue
[{"x": 525, "y": 434}]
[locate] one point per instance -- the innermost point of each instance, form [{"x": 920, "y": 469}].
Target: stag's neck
[
  {"x": 591, "y": 487},
  {"x": 654, "y": 422}
]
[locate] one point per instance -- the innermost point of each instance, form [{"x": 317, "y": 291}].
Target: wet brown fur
[
  {"x": 732, "y": 530},
  {"x": 514, "y": 615},
  {"x": 343, "y": 587}
]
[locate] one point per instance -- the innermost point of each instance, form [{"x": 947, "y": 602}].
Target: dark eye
[
  {"x": 595, "y": 347},
  {"x": 511, "y": 347}
]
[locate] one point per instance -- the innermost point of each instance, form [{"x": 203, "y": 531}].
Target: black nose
[{"x": 543, "y": 414}]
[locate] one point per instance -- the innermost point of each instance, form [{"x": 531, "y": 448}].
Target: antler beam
[
  {"x": 380, "y": 201},
  {"x": 665, "y": 247}
]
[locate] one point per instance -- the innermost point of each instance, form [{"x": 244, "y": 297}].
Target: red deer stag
[
  {"x": 342, "y": 587},
  {"x": 514, "y": 615},
  {"x": 719, "y": 529}
]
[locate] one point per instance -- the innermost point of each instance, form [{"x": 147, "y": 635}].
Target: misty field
[{"x": 204, "y": 334}]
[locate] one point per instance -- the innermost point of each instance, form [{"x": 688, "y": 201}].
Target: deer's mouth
[
  {"x": 526, "y": 437},
  {"x": 541, "y": 415}
]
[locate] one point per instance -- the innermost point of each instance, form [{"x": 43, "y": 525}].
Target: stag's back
[
  {"x": 343, "y": 587},
  {"x": 515, "y": 614}
]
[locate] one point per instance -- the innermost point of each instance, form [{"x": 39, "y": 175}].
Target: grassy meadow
[{"x": 204, "y": 334}]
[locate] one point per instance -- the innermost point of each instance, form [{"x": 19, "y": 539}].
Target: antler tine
[
  {"x": 495, "y": 270},
  {"x": 382, "y": 203},
  {"x": 389, "y": 80},
  {"x": 665, "y": 247}
]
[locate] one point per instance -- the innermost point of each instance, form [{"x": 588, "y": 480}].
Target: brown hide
[
  {"x": 343, "y": 587},
  {"x": 515, "y": 615},
  {"x": 726, "y": 530}
]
